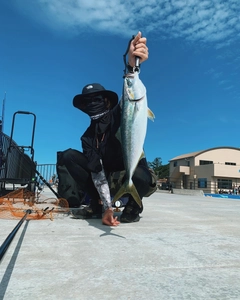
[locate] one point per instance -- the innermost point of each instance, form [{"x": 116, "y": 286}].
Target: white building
[{"x": 210, "y": 170}]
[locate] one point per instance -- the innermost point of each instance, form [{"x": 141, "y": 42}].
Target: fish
[{"x": 133, "y": 129}]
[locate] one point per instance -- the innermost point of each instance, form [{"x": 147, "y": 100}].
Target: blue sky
[{"x": 50, "y": 49}]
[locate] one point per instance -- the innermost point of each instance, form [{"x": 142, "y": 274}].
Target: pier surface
[{"x": 184, "y": 247}]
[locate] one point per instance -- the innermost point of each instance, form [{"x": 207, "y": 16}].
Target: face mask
[
  {"x": 102, "y": 123},
  {"x": 95, "y": 105}
]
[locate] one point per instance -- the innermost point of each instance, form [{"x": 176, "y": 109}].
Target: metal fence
[{"x": 48, "y": 172}]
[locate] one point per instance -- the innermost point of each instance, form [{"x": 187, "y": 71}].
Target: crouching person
[{"x": 102, "y": 151}]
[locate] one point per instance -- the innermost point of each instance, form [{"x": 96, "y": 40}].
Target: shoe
[
  {"x": 86, "y": 212},
  {"x": 131, "y": 212},
  {"x": 83, "y": 212}
]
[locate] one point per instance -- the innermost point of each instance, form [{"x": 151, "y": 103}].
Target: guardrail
[{"x": 48, "y": 172}]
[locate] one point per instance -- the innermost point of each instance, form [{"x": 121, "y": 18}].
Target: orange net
[{"x": 14, "y": 206}]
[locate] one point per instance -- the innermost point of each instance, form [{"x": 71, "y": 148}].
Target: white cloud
[
  {"x": 213, "y": 21},
  {"x": 229, "y": 87},
  {"x": 224, "y": 82}
]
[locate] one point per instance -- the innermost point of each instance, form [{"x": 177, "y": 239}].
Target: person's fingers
[
  {"x": 106, "y": 222},
  {"x": 115, "y": 221},
  {"x": 140, "y": 43},
  {"x": 140, "y": 49},
  {"x": 136, "y": 38},
  {"x": 110, "y": 221}
]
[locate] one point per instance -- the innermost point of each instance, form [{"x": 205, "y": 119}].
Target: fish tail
[{"x": 128, "y": 188}]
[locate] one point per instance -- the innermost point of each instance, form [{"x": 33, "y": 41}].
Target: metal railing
[{"x": 48, "y": 172}]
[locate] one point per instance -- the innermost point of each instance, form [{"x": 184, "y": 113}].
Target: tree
[
  {"x": 155, "y": 164},
  {"x": 162, "y": 171}
]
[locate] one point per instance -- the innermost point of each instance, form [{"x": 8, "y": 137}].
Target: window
[
  {"x": 205, "y": 162},
  {"x": 230, "y": 163},
  {"x": 224, "y": 184},
  {"x": 175, "y": 163},
  {"x": 202, "y": 183}
]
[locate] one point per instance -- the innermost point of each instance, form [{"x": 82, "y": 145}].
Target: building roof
[{"x": 196, "y": 153}]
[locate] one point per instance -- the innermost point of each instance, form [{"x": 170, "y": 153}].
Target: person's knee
[
  {"x": 67, "y": 156},
  {"x": 62, "y": 156},
  {"x": 144, "y": 181}
]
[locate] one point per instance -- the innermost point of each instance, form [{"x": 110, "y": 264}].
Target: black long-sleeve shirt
[
  {"x": 104, "y": 147},
  {"x": 104, "y": 154}
]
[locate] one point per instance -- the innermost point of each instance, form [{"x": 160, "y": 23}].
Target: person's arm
[
  {"x": 97, "y": 173},
  {"x": 101, "y": 184},
  {"x": 99, "y": 179},
  {"x": 91, "y": 153}
]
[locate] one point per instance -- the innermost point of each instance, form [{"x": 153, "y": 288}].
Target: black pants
[{"x": 76, "y": 164}]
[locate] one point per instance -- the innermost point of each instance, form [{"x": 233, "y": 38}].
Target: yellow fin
[
  {"x": 142, "y": 156},
  {"x": 150, "y": 114},
  {"x": 128, "y": 189}
]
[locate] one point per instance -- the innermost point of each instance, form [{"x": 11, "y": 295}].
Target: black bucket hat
[{"x": 79, "y": 101}]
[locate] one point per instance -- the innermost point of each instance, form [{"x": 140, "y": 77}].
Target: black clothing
[
  {"x": 104, "y": 146},
  {"x": 76, "y": 164},
  {"x": 100, "y": 145},
  {"x": 131, "y": 212}
]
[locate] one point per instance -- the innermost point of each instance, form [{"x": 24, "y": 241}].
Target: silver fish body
[{"x": 133, "y": 130}]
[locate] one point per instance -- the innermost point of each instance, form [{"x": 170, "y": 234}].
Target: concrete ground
[{"x": 184, "y": 247}]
